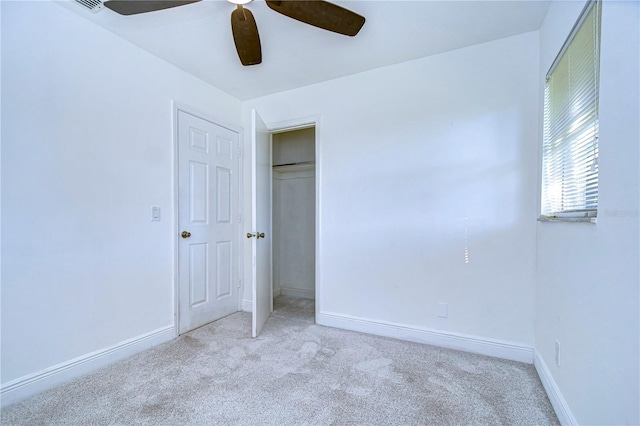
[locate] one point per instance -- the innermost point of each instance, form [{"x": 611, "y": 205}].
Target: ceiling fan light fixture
[{"x": 240, "y": 2}]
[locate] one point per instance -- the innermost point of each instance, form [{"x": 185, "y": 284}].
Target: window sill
[{"x": 567, "y": 219}]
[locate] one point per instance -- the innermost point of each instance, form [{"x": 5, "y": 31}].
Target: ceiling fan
[{"x": 319, "y": 13}]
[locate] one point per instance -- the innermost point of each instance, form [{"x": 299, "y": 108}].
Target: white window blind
[{"x": 570, "y": 145}]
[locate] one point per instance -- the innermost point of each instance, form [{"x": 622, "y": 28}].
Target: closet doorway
[{"x": 294, "y": 221}]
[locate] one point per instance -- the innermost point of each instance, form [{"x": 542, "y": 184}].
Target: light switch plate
[{"x": 155, "y": 214}]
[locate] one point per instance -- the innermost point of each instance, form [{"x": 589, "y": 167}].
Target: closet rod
[{"x": 300, "y": 163}]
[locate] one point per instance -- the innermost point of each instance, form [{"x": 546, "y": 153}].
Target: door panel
[
  {"x": 224, "y": 268},
  {"x": 223, "y": 192},
  {"x": 198, "y": 192},
  {"x": 261, "y": 222},
  {"x": 207, "y": 205},
  {"x": 198, "y": 274}
]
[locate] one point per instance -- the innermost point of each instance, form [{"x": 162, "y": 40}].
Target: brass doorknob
[
  {"x": 249, "y": 235},
  {"x": 185, "y": 234},
  {"x": 260, "y": 235}
]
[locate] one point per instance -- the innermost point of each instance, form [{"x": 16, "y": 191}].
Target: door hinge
[
  {"x": 239, "y": 218},
  {"x": 239, "y": 283},
  {"x": 239, "y": 152}
]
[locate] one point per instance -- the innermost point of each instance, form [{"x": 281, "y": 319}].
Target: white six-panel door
[
  {"x": 208, "y": 221},
  {"x": 261, "y": 223}
]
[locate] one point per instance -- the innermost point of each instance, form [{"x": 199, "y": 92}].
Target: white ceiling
[{"x": 197, "y": 38}]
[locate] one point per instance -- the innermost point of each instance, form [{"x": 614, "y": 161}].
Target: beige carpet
[{"x": 295, "y": 373}]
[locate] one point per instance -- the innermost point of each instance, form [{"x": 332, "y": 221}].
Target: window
[{"x": 570, "y": 144}]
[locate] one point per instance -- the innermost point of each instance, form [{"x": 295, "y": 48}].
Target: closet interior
[{"x": 294, "y": 210}]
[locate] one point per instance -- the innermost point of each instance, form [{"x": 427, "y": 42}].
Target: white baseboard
[
  {"x": 478, "y": 345},
  {"x": 48, "y": 378},
  {"x": 298, "y": 292},
  {"x": 553, "y": 392},
  {"x": 247, "y": 306},
  {"x": 277, "y": 291}
]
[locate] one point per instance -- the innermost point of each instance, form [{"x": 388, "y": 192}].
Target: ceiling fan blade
[
  {"x": 321, "y": 14},
  {"x": 133, "y": 7},
  {"x": 245, "y": 36}
]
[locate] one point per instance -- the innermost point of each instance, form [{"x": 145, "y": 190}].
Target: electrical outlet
[
  {"x": 442, "y": 309},
  {"x": 557, "y": 353}
]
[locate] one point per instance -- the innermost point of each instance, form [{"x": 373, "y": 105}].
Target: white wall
[
  {"x": 423, "y": 164},
  {"x": 587, "y": 275},
  {"x": 87, "y": 149},
  {"x": 295, "y": 213}
]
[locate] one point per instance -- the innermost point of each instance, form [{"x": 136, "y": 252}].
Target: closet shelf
[{"x": 294, "y": 167}]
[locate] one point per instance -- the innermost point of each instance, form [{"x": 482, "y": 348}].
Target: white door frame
[
  {"x": 176, "y": 107},
  {"x": 296, "y": 124}
]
